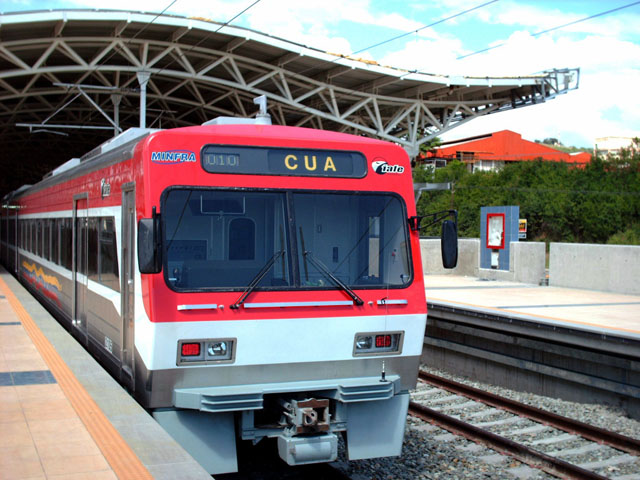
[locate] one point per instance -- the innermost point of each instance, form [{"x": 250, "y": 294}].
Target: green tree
[{"x": 561, "y": 202}]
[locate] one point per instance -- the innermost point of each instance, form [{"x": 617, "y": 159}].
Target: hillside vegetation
[{"x": 596, "y": 204}]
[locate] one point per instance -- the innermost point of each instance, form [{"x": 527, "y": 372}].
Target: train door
[
  {"x": 80, "y": 263},
  {"x": 127, "y": 287},
  {"x": 16, "y": 228}
]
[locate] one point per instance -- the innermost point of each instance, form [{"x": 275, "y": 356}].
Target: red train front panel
[{"x": 288, "y": 271}]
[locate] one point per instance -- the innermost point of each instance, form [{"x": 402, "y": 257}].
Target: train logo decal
[
  {"x": 47, "y": 284},
  {"x": 173, "y": 157},
  {"x": 105, "y": 188},
  {"x": 381, "y": 167}
]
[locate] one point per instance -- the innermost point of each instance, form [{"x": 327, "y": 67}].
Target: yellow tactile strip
[{"x": 121, "y": 458}]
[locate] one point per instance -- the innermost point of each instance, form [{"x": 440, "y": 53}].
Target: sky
[{"x": 606, "y": 48}]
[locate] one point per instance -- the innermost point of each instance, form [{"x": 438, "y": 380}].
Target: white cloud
[
  {"x": 430, "y": 56},
  {"x": 603, "y": 105},
  {"x": 479, "y": 9},
  {"x": 606, "y": 103},
  {"x": 538, "y": 19},
  {"x": 312, "y": 22},
  {"x": 309, "y": 22}
]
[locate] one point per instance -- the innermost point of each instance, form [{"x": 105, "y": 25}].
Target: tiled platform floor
[
  {"x": 41, "y": 434},
  {"x": 62, "y": 416}
]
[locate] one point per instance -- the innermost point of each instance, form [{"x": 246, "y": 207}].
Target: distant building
[
  {"x": 492, "y": 151},
  {"x": 606, "y": 146}
]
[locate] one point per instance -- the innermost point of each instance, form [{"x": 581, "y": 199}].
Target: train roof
[
  {"x": 279, "y": 132},
  {"x": 114, "y": 149}
]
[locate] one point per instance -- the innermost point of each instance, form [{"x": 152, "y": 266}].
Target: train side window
[
  {"x": 108, "y": 254},
  {"x": 4, "y": 236},
  {"x": 31, "y": 234},
  {"x": 38, "y": 251},
  {"x": 66, "y": 239},
  {"x": 80, "y": 232},
  {"x": 8, "y": 231},
  {"x": 55, "y": 227},
  {"x": 40, "y": 238},
  {"x": 46, "y": 238},
  {"x": 92, "y": 248},
  {"x": 242, "y": 239}
]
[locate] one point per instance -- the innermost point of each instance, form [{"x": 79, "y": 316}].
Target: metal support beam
[
  {"x": 221, "y": 77},
  {"x": 143, "y": 79},
  {"x": 53, "y": 125},
  {"x": 97, "y": 107},
  {"x": 418, "y": 188},
  {"x": 116, "y": 99}
]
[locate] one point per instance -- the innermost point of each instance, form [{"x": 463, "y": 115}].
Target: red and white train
[{"x": 243, "y": 280}]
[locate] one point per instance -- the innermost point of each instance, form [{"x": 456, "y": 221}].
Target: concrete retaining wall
[
  {"x": 526, "y": 261},
  {"x": 529, "y": 261},
  {"x": 526, "y": 264},
  {"x": 468, "y": 257},
  {"x": 608, "y": 268}
]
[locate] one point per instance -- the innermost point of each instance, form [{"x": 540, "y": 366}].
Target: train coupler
[{"x": 305, "y": 416}]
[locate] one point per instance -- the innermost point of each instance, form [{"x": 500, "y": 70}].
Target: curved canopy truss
[{"x": 70, "y": 79}]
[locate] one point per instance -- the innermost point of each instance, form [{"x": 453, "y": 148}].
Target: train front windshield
[{"x": 225, "y": 239}]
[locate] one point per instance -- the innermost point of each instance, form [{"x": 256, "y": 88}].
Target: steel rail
[
  {"x": 549, "y": 464},
  {"x": 590, "y": 432}
]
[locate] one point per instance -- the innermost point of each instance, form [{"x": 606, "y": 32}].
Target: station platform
[
  {"x": 578, "y": 345},
  {"x": 62, "y": 416},
  {"x": 592, "y": 311}
]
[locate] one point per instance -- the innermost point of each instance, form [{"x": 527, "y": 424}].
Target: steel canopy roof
[{"x": 69, "y": 79}]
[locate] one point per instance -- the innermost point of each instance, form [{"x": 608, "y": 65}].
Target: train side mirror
[
  {"x": 449, "y": 244},
  {"x": 149, "y": 251}
]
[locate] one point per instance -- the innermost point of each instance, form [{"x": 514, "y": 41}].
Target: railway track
[{"x": 557, "y": 445}]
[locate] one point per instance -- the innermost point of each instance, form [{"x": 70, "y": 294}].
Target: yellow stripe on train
[{"x": 39, "y": 272}]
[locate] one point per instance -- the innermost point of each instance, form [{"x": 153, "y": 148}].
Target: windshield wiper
[
  {"x": 256, "y": 280},
  {"x": 320, "y": 266}
]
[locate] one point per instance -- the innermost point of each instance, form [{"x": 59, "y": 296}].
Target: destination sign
[{"x": 283, "y": 161}]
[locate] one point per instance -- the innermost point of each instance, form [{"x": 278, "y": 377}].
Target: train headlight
[
  {"x": 364, "y": 342},
  {"x": 217, "y": 349},
  {"x": 378, "y": 343},
  {"x": 206, "y": 351}
]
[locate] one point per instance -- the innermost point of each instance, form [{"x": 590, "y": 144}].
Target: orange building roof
[{"x": 505, "y": 146}]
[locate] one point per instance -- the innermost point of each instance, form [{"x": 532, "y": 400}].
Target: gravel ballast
[{"x": 432, "y": 453}]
